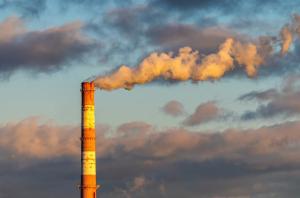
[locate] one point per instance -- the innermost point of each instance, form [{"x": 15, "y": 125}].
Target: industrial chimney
[{"x": 88, "y": 142}]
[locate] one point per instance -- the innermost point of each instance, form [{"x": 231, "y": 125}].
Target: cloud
[
  {"x": 204, "y": 39},
  {"x": 283, "y": 102},
  {"x": 32, "y": 139},
  {"x": 126, "y": 20},
  {"x": 232, "y": 163},
  {"x": 138, "y": 183},
  {"x": 149, "y": 26},
  {"x": 204, "y": 113},
  {"x": 259, "y": 95},
  {"x": 225, "y": 6},
  {"x": 40, "y": 50},
  {"x": 173, "y": 108},
  {"x": 134, "y": 187},
  {"x": 203, "y": 4},
  {"x": 131, "y": 128},
  {"x": 32, "y": 8},
  {"x": 146, "y": 27}
]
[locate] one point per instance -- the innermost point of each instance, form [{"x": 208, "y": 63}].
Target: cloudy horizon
[{"x": 194, "y": 98}]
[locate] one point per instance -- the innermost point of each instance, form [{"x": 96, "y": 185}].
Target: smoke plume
[
  {"x": 287, "y": 39},
  {"x": 189, "y": 64}
]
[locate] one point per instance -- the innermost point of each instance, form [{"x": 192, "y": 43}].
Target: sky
[{"x": 212, "y": 111}]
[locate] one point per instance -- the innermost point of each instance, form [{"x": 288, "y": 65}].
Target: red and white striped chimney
[{"x": 88, "y": 142}]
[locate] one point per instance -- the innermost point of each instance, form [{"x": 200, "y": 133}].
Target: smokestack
[{"x": 88, "y": 142}]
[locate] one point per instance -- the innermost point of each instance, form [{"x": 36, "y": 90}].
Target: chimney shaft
[{"x": 88, "y": 143}]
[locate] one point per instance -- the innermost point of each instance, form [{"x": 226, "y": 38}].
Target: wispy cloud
[{"x": 283, "y": 102}]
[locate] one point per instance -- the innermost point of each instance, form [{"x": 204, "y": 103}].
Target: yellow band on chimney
[
  {"x": 88, "y": 117},
  {"x": 88, "y": 163}
]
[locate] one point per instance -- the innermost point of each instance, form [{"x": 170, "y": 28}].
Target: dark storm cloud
[{"x": 40, "y": 51}]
